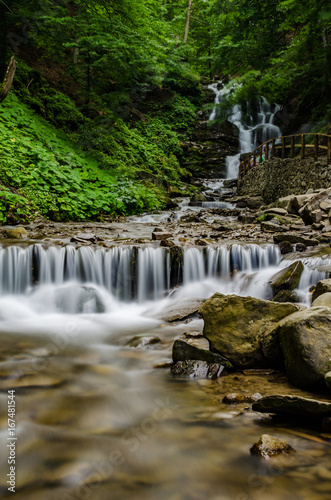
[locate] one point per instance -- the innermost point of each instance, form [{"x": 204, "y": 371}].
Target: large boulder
[
  {"x": 323, "y": 286},
  {"x": 242, "y": 329},
  {"x": 323, "y": 300},
  {"x": 288, "y": 278},
  {"x": 305, "y": 339},
  {"x": 293, "y": 405},
  {"x": 317, "y": 207}
]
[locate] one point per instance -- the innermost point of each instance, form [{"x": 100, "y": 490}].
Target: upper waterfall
[{"x": 255, "y": 125}]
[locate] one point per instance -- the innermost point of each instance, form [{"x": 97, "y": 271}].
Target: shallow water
[{"x": 97, "y": 418}]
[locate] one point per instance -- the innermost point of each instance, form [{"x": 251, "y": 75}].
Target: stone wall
[{"x": 276, "y": 178}]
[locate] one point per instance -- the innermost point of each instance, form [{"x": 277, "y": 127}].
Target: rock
[
  {"x": 288, "y": 278},
  {"x": 200, "y": 242},
  {"x": 286, "y": 296},
  {"x": 284, "y": 201},
  {"x": 285, "y": 247},
  {"x": 323, "y": 286},
  {"x": 141, "y": 341},
  {"x": 270, "y": 446},
  {"x": 273, "y": 226},
  {"x": 167, "y": 243},
  {"x": 322, "y": 300},
  {"x": 311, "y": 211},
  {"x": 190, "y": 218},
  {"x": 293, "y": 405},
  {"x": 253, "y": 203},
  {"x": 276, "y": 211},
  {"x": 18, "y": 233},
  {"x": 305, "y": 339},
  {"x": 234, "y": 398},
  {"x": 300, "y": 247},
  {"x": 198, "y": 197},
  {"x": 182, "y": 351},
  {"x": 247, "y": 219},
  {"x": 297, "y": 202},
  {"x": 230, "y": 183},
  {"x": 241, "y": 329},
  {"x": 180, "y": 310},
  {"x": 197, "y": 369},
  {"x": 161, "y": 236},
  {"x": 327, "y": 378},
  {"x": 295, "y": 238}
]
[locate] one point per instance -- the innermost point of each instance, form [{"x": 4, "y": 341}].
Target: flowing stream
[{"x": 86, "y": 345}]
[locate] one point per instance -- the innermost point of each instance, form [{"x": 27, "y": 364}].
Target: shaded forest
[{"x": 106, "y": 93}]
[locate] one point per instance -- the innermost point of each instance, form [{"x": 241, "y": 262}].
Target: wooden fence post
[
  {"x": 273, "y": 149},
  {"x": 303, "y": 145},
  {"x": 316, "y": 147},
  {"x": 292, "y": 146},
  {"x": 283, "y": 148}
]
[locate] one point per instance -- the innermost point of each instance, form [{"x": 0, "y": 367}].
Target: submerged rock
[
  {"x": 288, "y": 278},
  {"x": 305, "y": 339},
  {"x": 293, "y": 405},
  {"x": 197, "y": 369},
  {"x": 242, "y": 329},
  {"x": 143, "y": 340},
  {"x": 270, "y": 446}
]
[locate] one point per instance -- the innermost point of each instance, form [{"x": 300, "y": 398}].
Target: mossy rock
[
  {"x": 322, "y": 287},
  {"x": 286, "y": 296},
  {"x": 242, "y": 329},
  {"x": 288, "y": 278},
  {"x": 305, "y": 340},
  {"x": 18, "y": 233}
]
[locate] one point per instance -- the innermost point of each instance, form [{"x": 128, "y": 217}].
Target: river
[{"x": 86, "y": 350}]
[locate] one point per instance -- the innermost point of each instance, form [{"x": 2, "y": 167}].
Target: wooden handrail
[{"x": 308, "y": 145}]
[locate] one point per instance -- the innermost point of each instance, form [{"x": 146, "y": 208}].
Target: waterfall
[{"x": 255, "y": 126}]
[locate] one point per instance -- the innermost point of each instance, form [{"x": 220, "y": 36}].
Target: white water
[
  {"x": 68, "y": 281},
  {"x": 252, "y": 132}
]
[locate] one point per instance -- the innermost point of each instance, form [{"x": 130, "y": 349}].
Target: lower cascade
[{"x": 143, "y": 274}]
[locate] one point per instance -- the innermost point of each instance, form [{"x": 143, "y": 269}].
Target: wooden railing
[{"x": 289, "y": 146}]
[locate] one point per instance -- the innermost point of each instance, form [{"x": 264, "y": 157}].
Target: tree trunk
[
  {"x": 188, "y": 20},
  {"x": 8, "y": 80}
]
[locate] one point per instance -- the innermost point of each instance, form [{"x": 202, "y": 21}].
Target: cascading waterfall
[
  {"x": 129, "y": 273},
  {"x": 254, "y": 128}
]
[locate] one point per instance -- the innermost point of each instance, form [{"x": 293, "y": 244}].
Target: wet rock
[
  {"x": 242, "y": 329},
  {"x": 247, "y": 219},
  {"x": 161, "y": 236},
  {"x": 181, "y": 310},
  {"x": 288, "y": 278},
  {"x": 235, "y": 398},
  {"x": 286, "y": 296},
  {"x": 293, "y": 405},
  {"x": 200, "y": 242},
  {"x": 142, "y": 341},
  {"x": 197, "y": 369},
  {"x": 253, "y": 203},
  {"x": 285, "y": 247},
  {"x": 323, "y": 286},
  {"x": 18, "y": 233},
  {"x": 323, "y": 300},
  {"x": 300, "y": 247},
  {"x": 295, "y": 238},
  {"x": 305, "y": 339},
  {"x": 230, "y": 183},
  {"x": 167, "y": 243},
  {"x": 270, "y": 446},
  {"x": 190, "y": 218},
  {"x": 182, "y": 351},
  {"x": 327, "y": 378}
]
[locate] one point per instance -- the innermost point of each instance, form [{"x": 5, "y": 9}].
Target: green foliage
[{"x": 53, "y": 177}]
